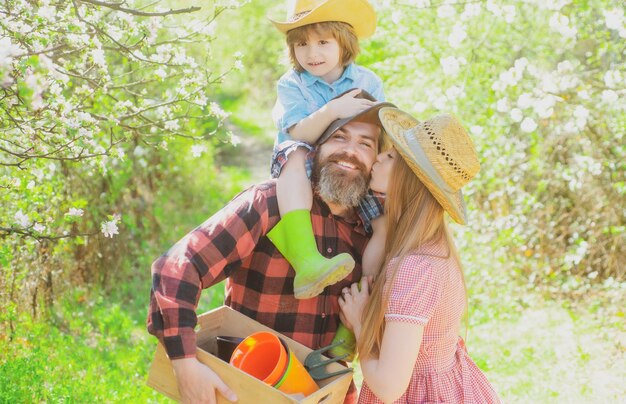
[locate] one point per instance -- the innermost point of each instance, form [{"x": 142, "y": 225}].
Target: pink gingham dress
[{"x": 428, "y": 290}]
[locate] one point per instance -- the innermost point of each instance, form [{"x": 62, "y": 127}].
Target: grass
[
  {"x": 95, "y": 348},
  {"x": 90, "y": 350},
  {"x": 556, "y": 350},
  {"x": 551, "y": 350}
]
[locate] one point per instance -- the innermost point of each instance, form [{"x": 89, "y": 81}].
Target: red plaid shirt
[{"x": 232, "y": 245}]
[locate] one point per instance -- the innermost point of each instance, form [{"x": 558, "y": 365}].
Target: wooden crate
[{"x": 226, "y": 321}]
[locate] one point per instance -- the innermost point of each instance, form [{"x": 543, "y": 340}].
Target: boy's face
[{"x": 320, "y": 55}]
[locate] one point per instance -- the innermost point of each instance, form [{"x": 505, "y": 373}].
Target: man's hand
[
  {"x": 347, "y": 105},
  {"x": 197, "y": 383}
]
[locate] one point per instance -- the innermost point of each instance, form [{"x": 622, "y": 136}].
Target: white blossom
[
  {"x": 509, "y": 13},
  {"x": 22, "y": 219},
  {"x": 614, "y": 19},
  {"x": 613, "y": 78},
  {"x": 7, "y": 51},
  {"x": 521, "y": 64},
  {"x": 454, "y": 92},
  {"x": 47, "y": 12},
  {"x": 161, "y": 72},
  {"x": 234, "y": 139},
  {"x": 471, "y": 10},
  {"x": 493, "y": 8},
  {"x": 39, "y": 227},
  {"x": 476, "y": 130},
  {"x": 609, "y": 96},
  {"x": 560, "y": 23},
  {"x": 450, "y": 65},
  {"x": 502, "y": 105},
  {"x": 172, "y": 125},
  {"x": 582, "y": 115},
  {"x": 528, "y": 125},
  {"x": 516, "y": 115},
  {"x": 544, "y": 107},
  {"x": 97, "y": 55},
  {"x": 198, "y": 149},
  {"x": 554, "y": 5},
  {"x": 109, "y": 228},
  {"x": 75, "y": 212},
  {"x": 201, "y": 99},
  {"x": 420, "y": 107},
  {"x": 446, "y": 11},
  {"x": 575, "y": 256},
  {"x": 457, "y": 36},
  {"x": 525, "y": 101},
  {"x": 217, "y": 111},
  {"x": 565, "y": 67}
]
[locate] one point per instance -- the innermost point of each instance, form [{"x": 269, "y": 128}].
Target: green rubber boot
[
  {"x": 293, "y": 236},
  {"x": 349, "y": 343}
]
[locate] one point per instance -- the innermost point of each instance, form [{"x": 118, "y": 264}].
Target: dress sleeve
[{"x": 415, "y": 291}]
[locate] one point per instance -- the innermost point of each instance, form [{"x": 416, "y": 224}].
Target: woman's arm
[{"x": 388, "y": 376}]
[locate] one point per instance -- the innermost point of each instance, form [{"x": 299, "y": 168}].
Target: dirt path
[{"x": 253, "y": 154}]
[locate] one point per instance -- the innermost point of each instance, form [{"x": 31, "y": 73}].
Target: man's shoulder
[
  {"x": 265, "y": 189},
  {"x": 258, "y": 199}
]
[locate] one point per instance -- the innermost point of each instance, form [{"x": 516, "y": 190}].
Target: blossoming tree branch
[{"x": 90, "y": 86}]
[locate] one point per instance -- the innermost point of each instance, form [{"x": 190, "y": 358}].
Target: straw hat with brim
[
  {"x": 358, "y": 13},
  {"x": 440, "y": 153},
  {"x": 368, "y": 115}
]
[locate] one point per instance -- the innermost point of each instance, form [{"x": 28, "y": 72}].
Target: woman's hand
[{"x": 352, "y": 303}]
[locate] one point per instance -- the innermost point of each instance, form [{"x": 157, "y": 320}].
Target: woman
[{"x": 408, "y": 329}]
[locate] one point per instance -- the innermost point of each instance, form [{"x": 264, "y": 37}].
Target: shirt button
[
  {"x": 323, "y": 315},
  {"x": 330, "y": 215},
  {"x": 329, "y": 250}
]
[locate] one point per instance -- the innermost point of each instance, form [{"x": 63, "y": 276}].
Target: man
[{"x": 233, "y": 245}]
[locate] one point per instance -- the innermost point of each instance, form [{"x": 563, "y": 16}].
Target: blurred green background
[{"x": 540, "y": 85}]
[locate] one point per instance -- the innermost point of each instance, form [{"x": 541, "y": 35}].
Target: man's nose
[{"x": 351, "y": 147}]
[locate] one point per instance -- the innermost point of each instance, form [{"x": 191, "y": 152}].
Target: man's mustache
[{"x": 345, "y": 157}]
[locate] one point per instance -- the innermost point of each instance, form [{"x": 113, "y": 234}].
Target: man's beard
[{"x": 337, "y": 186}]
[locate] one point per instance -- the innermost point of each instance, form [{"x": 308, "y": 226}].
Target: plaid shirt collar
[{"x": 321, "y": 208}]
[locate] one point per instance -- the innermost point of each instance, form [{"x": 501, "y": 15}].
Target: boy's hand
[{"x": 347, "y": 105}]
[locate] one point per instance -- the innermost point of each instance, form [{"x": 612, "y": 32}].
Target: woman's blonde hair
[
  {"x": 414, "y": 218},
  {"x": 342, "y": 32}
]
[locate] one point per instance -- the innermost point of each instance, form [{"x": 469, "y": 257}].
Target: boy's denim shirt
[{"x": 301, "y": 94}]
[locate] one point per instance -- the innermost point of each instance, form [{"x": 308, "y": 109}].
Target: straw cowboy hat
[
  {"x": 440, "y": 153},
  {"x": 358, "y": 13}
]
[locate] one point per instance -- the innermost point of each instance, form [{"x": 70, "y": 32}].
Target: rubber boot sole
[{"x": 343, "y": 265}]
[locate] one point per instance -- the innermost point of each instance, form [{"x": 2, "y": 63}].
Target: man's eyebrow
[{"x": 370, "y": 136}]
